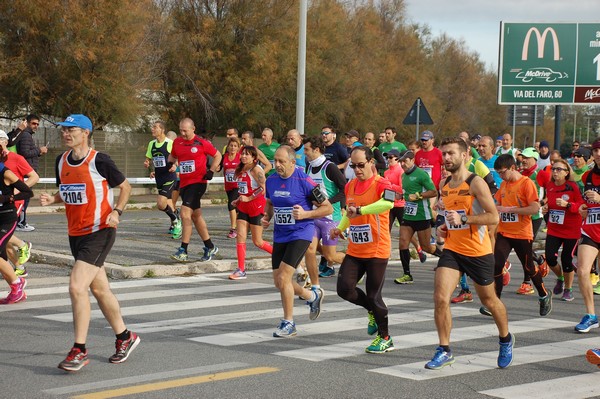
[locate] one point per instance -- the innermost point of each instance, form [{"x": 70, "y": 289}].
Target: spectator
[{"x": 544, "y": 156}]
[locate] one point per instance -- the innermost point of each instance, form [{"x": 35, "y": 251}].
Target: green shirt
[
  {"x": 577, "y": 174},
  {"x": 417, "y": 181},
  {"x": 269, "y": 151},
  {"x": 394, "y": 145}
]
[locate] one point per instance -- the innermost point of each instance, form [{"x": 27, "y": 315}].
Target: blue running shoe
[
  {"x": 323, "y": 264},
  {"x": 440, "y": 359},
  {"x": 593, "y": 356},
  {"x": 209, "y": 253},
  {"x": 181, "y": 255},
  {"x": 505, "y": 355},
  {"x": 286, "y": 329},
  {"x": 422, "y": 256},
  {"x": 328, "y": 272},
  {"x": 587, "y": 323},
  {"x": 315, "y": 306}
]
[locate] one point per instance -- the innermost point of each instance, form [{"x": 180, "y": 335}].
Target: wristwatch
[{"x": 463, "y": 219}]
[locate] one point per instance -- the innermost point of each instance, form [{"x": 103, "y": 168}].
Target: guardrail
[{"x": 132, "y": 180}]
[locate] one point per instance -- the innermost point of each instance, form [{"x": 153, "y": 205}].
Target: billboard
[{"x": 549, "y": 63}]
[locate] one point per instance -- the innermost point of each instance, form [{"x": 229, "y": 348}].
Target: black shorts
[
  {"x": 253, "y": 220},
  {"x": 479, "y": 268},
  {"x": 6, "y": 231},
  {"x": 192, "y": 194},
  {"x": 232, "y": 195},
  {"x": 417, "y": 225},
  {"x": 165, "y": 189},
  {"x": 290, "y": 253},
  {"x": 587, "y": 240},
  {"x": 93, "y": 248}
]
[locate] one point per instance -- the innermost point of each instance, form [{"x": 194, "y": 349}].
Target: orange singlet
[{"x": 467, "y": 240}]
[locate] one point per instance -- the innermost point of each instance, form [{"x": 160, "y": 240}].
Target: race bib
[
  {"x": 186, "y": 167},
  {"x": 410, "y": 208},
  {"x": 242, "y": 187},
  {"x": 427, "y": 169},
  {"x": 73, "y": 194},
  {"x": 283, "y": 216},
  {"x": 159, "y": 161},
  {"x": 593, "y": 216},
  {"x": 461, "y": 226},
  {"x": 556, "y": 216},
  {"x": 508, "y": 217},
  {"x": 230, "y": 176},
  {"x": 361, "y": 234}
]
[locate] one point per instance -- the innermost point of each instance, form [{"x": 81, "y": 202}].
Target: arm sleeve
[
  {"x": 376, "y": 207},
  {"x": 25, "y": 191},
  {"x": 344, "y": 223},
  {"x": 108, "y": 169},
  {"x": 336, "y": 176}
]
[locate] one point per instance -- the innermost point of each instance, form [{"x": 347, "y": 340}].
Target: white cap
[{"x": 3, "y": 135}]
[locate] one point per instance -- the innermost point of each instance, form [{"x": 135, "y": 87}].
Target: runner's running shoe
[
  {"x": 181, "y": 255},
  {"x": 593, "y": 356},
  {"x": 380, "y": 345},
  {"x": 237, "y": 275},
  {"x": 597, "y": 290},
  {"x": 372, "y": 326},
  {"x": 24, "y": 253},
  {"x": 485, "y": 311},
  {"x": 322, "y": 264},
  {"x": 16, "y": 294},
  {"x": 209, "y": 253},
  {"x": 285, "y": 330},
  {"x": 594, "y": 278},
  {"x": 440, "y": 359},
  {"x": 124, "y": 348},
  {"x": 546, "y": 304},
  {"x": 587, "y": 323},
  {"x": 315, "y": 306},
  {"x": 567, "y": 295},
  {"x": 176, "y": 232},
  {"x": 463, "y": 297},
  {"x": 505, "y": 355},
  {"x": 75, "y": 360},
  {"x": 422, "y": 256},
  {"x": 21, "y": 271},
  {"x": 506, "y": 274},
  {"x": 525, "y": 289},
  {"x": 558, "y": 287},
  {"x": 232, "y": 233},
  {"x": 406, "y": 279},
  {"x": 328, "y": 272}
]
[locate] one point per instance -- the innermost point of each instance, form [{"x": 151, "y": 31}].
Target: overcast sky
[{"x": 478, "y": 21}]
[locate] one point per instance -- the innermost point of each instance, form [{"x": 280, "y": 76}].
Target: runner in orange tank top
[{"x": 469, "y": 208}]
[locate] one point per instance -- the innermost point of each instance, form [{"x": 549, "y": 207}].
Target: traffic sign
[
  {"x": 549, "y": 63},
  {"x": 525, "y": 115},
  {"x": 419, "y": 111}
]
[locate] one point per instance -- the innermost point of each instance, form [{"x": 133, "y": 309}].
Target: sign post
[{"x": 418, "y": 115}]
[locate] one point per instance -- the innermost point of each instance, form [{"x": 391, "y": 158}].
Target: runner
[
  {"x": 564, "y": 226},
  {"x": 332, "y": 182},
  {"x": 268, "y": 147},
  {"x": 190, "y": 151},
  {"x": 156, "y": 155},
  {"x": 291, "y": 195},
  {"x": 516, "y": 201},
  {"x": 250, "y": 206},
  {"x": 229, "y": 163},
  {"x": 370, "y": 245},
  {"x": 589, "y": 244},
  {"x": 85, "y": 179},
  {"x": 418, "y": 188},
  {"x": 469, "y": 209}
]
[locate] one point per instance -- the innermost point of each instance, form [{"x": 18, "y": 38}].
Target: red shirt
[
  {"x": 21, "y": 168},
  {"x": 591, "y": 224},
  {"x": 394, "y": 175},
  {"x": 229, "y": 166},
  {"x": 191, "y": 155},
  {"x": 563, "y": 222},
  {"x": 431, "y": 162}
]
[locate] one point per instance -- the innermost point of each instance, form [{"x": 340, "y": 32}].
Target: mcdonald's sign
[{"x": 549, "y": 63}]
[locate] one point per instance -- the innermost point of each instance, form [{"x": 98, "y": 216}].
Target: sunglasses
[
  {"x": 360, "y": 165},
  {"x": 578, "y": 156},
  {"x": 325, "y": 133},
  {"x": 34, "y": 123},
  {"x": 392, "y": 158},
  {"x": 555, "y": 169}
]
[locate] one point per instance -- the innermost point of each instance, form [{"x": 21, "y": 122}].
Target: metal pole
[
  {"x": 557, "y": 113},
  {"x": 301, "y": 84},
  {"x": 514, "y": 125},
  {"x": 418, "y": 117},
  {"x": 534, "y": 123},
  {"x": 574, "y": 124},
  {"x": 588, "y": 131}
]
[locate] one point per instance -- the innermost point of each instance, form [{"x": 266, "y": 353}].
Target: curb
[
  {"x": 119, "y": 272},
  {"x": 61, "y": 208}
]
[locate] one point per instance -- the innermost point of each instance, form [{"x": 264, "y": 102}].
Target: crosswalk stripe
[
  {"x": 118, "y": 285},
  {"x": 325, "y": 327},
  {"x": 132, "y": 296},
  {"x": 174, "y": 306},
  {"x": 572, "y": 387},
  {"x": 487, "y": 360},
  {"x": 426, "y": 338},
  {"x": 239, "y": 317}
]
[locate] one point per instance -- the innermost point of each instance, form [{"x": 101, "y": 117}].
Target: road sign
[
  {"x": 525, "y": 115},
  {"x": 549, "y": 63},
  {"x": 419, "y": 111}
]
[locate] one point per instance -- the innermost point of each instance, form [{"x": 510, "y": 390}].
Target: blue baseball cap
[
  {"x": 77, "y": 120},
  {"x": 426, "y": 135}
]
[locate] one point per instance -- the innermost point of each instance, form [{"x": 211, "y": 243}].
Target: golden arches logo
[{"x": 541, "y": 42}]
